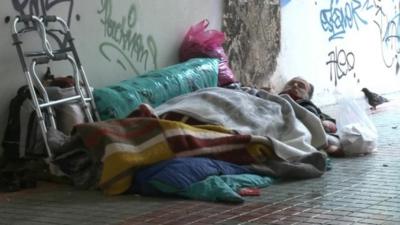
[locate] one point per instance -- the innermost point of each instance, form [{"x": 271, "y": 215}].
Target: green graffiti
[
  {"x": 106, "y": 45},
  {"x": 125, "y": 40},
  {"x": 153, "y": 50}
]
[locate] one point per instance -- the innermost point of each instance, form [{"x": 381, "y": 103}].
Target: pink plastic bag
[{"x": 199, "y": 42}]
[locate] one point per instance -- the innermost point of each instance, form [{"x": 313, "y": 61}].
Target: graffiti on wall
[
  {"x": 388, "y": 22},
  {"x": 342, "y": 16},
  {"x": 130, "y": 48},
  {"x": 42, "y": 7},
  {"x": 341, "y": 64}
]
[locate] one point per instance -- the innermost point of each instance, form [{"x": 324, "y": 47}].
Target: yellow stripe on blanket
[
  {"x": 119, "y": 167},
  {"x": 214, "y": 129},
  {"x": 261, "y": 149}
]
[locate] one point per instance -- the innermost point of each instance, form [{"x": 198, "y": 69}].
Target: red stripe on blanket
[
  {"x": 228, "y": 149},
  {"x": 182, "y": 143},
  {"x": 175, "y": 116},
  {"x": 132, "y": 130}
]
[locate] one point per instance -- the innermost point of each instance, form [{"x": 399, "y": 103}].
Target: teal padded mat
[{"x": 118, "y": 100}]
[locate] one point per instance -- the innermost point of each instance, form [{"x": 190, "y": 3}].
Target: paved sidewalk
[{"x": 358, "y": 190}]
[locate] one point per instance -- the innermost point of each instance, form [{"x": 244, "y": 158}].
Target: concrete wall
[
  {"x": 153, "y": 29},
  {"x": 253, "y": 39},
  {"x": 341, "y": 45}
]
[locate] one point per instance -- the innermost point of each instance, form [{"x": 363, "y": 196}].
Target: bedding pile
[
  {"x": 265, "y": 135},
  {"x": 127, "y": 144}
]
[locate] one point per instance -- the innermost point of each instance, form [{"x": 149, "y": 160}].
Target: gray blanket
[{"x": 294, "y": 132}]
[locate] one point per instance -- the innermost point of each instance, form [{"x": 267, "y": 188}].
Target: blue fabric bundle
[
  {"x": 117, "y": 101},
  {"x": 197, "y": 178}
]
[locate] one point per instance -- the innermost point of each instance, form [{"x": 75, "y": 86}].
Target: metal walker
[{"x": 46, "y": 54}]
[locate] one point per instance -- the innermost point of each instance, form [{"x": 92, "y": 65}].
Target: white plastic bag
[{"x": 358, "y": 135}]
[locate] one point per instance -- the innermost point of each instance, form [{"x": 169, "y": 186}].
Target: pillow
[{"x": 118, "y": 100}]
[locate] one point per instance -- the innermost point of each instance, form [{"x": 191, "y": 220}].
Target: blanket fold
[{"x": 127, "y": 144}]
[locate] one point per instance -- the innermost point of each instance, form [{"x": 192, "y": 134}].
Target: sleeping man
[{"x": 302, "y": 91}]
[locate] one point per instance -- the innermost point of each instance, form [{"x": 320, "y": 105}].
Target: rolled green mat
[{"x": 118, "y": 100}]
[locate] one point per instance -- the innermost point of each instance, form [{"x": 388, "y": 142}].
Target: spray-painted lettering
[
  {"x": 125, "y": 41},
  {"x": 389, "y": 30},
  {"x": 337, "y": 20},
  {"x": 341, "y": 64}
]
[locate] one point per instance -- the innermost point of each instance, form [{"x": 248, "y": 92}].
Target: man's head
[{"x": 298, "y": 88}]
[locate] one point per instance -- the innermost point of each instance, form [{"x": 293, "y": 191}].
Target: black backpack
[{"x": 22, "y": 137}]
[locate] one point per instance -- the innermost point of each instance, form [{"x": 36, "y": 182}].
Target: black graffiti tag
[
  {"x": 41, "y": 7},
  {"x": 341, "y": 64}
]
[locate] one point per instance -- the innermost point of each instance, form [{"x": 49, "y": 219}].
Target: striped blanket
[{"x": 127, "y": 144}]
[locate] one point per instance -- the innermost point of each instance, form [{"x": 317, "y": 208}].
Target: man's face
[{"x": 297, "y": 89}]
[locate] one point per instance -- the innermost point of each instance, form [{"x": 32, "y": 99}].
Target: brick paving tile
[
  {"x": 295, "y": 219},
  {"x": 361, "y": 215},
  {"x": 317, "y": 220},
  {"x": 307, "y": 214},
  {"x": 327, "y": 217},
  {"x": 138, "y": 223},
  {"x": 361, "y": 223},
  {"x": 373, "y": 221},
  {"x": 210, "y": 220},
  {"x": 349, "y": 219},
  {"x": 304, "y": 223},
  {"x": 389, "y": 213},
  {"x": 225, "y": 214},
  {"x": 280, "y": 222},
  {"x": 336, "y": 222},
  {"x": 338, "y": 212},
  {"x": 256, "y": 214},
  {"x": 199, "y": 223},
  {"x": 317, "y": 211},
  {"x": 244, "y": 218},
  {"x": 266, "y": 220},
  {"x": 391, "y": 223}
]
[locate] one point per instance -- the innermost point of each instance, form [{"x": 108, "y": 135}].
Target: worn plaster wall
[{"x": 253, "y": 39}]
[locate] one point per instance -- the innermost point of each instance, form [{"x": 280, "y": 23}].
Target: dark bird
[{"x": 373, "y": 98}]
